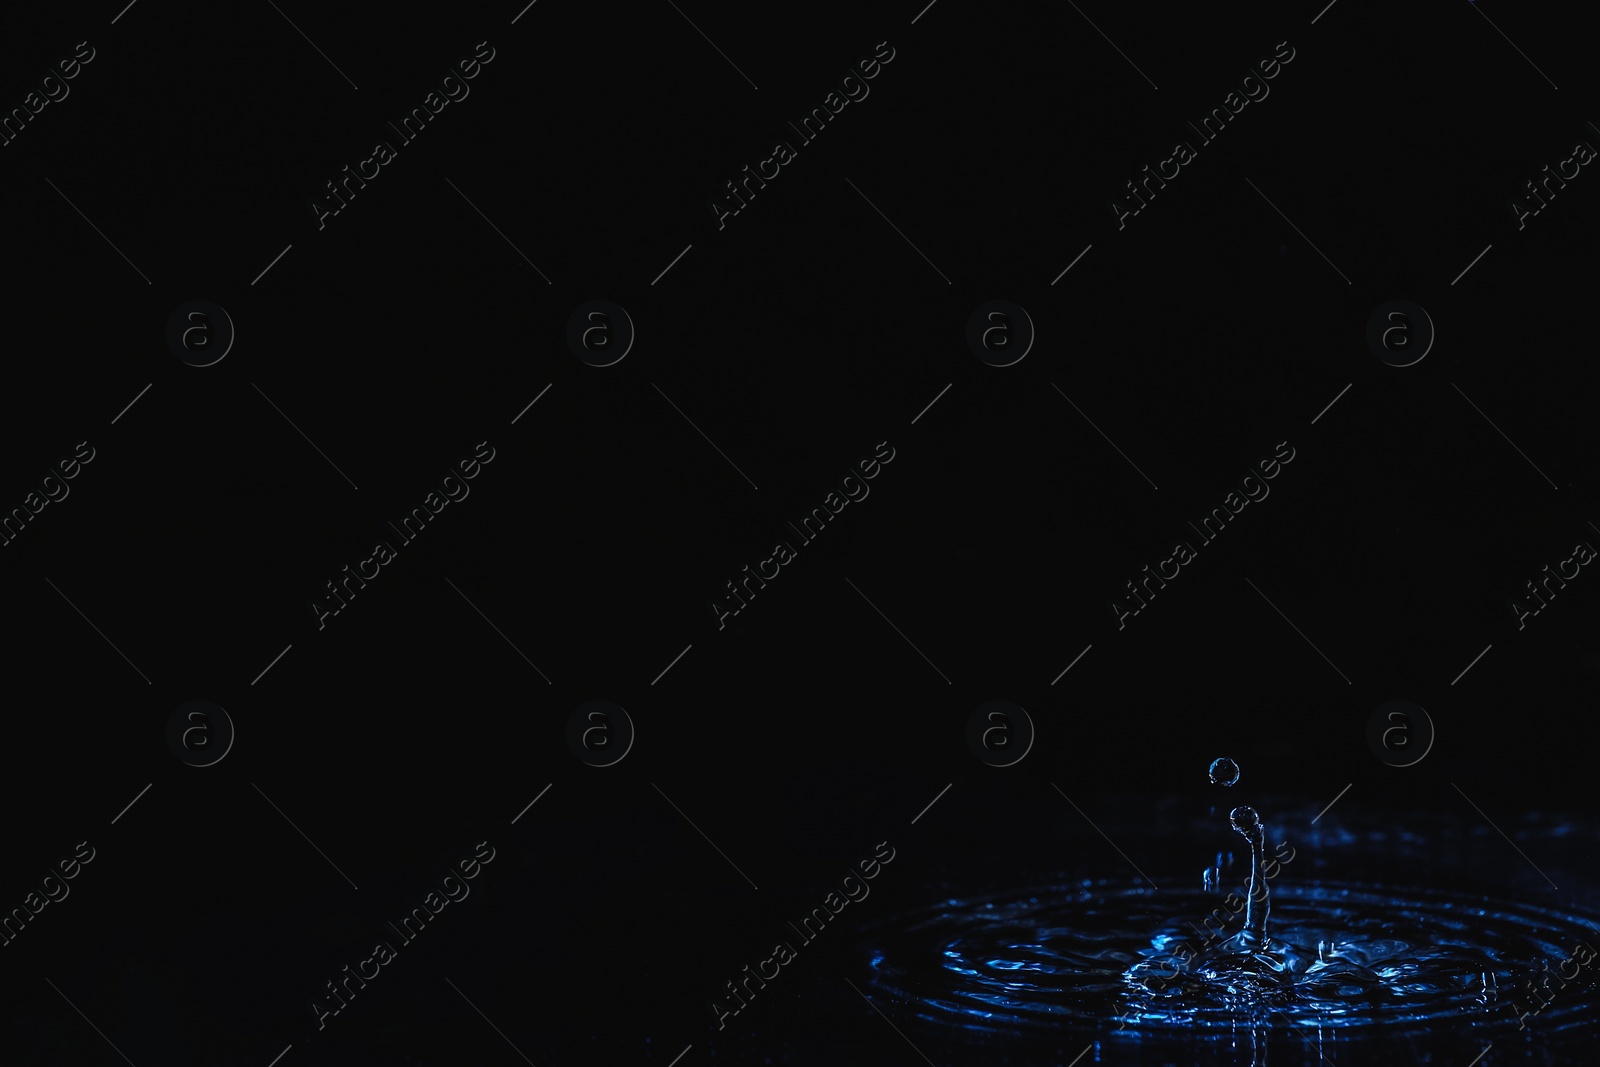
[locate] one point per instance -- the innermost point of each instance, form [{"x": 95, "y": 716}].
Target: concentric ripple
[{"x": 1337, "y": 955}]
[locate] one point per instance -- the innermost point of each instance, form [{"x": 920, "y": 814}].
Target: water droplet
[
  {"x": 1208, "y": 879},
  {"x": 1224, "y": 771}
]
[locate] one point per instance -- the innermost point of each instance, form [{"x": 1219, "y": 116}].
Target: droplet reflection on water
[
  {"x": 1340, "y": 955},
  {"x": 1337, "y": 954}
]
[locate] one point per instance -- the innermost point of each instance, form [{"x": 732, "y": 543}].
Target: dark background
[{"x": 796, "y": 338}]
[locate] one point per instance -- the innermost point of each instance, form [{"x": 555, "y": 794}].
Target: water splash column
[{"x": 1248, "y": 823}]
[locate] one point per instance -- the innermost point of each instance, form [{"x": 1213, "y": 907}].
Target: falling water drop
[
  {"x": 1208, "y": 879},
  {"x": 1224, "y": 771}
]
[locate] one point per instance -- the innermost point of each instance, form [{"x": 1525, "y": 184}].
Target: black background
[{"x": 797, "y": 338}]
